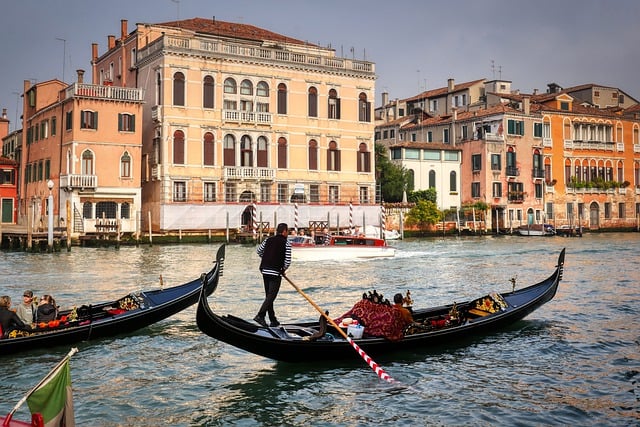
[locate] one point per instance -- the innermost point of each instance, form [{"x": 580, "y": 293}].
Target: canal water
[{"x": 575, "y": 361}]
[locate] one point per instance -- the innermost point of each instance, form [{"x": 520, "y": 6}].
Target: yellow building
[{"x": 236, "y": 115}]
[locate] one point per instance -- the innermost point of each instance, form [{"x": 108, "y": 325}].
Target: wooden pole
[{"x": 150, "y": 233}]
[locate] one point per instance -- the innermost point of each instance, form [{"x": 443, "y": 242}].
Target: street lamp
[{"x": 50, "y": 215}]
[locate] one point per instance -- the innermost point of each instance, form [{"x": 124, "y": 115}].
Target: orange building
[{"x": 85, "y": 142}]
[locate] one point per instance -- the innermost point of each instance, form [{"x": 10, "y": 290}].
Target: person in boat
[
  {"x": 276, "y": 259},
  {"x": 406, "y": 315},
  {"x": 9, "y": 320},
  {"x": 26, "y": 310},
  {"x": 47, "y": 309}
]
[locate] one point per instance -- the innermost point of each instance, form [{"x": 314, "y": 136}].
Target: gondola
[
  {"x": 303, "y": 342},
  {"x": 124, "y": 315}
]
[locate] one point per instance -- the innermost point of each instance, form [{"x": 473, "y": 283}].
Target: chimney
[
  {"x": 111, "y": 42},
  {"x": 535, "y": 91},
  {"x": 450, "y": 84},
  {"x": 526, "y": 105},
  {"x": 4, "y": 113},
  {"x": 80, "y": 76},
  {"x": 385, "y": 98},
  {"x": 123, "y": 29}
]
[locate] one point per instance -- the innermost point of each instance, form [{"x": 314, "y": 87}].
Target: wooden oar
[{"x": 376, "y": 368}]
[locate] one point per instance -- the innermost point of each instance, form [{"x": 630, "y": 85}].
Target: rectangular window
[
  {"x": 126, "y": 122},
  {"x": 230, "y": 105},
  {"x": 47, "y": 169},
  {"x": 230, "y": 192},
  {"x": 44, "y": 129},
  {"x": 476, "y": 162},
  {"x": 68, "y": 120},
  {"x": 265, "y": 192},
  {"x": 538, "y": 190},
  {"x": 445, "y": 136},
  {"x": 209, "y": 191},
  {"x": 475, "y": 190},
  {"x": 334, "y": 194},
  {"x": 549, "y": 212},
  {"x": 607, "y": 210},
  {"x": 496, "y": 163},
  {"x": 385, "y": 134},
  {"x": 364, "y": 195},
  {"x": 515, "y": 127},
  {"x": 262, "y": 107},
  {"x": 537, "y": 130},
  {"x": 54, "y": 123},
  {"x": 430, "y": 155},
  {"x": 314, "y": 193},
  {"x": 396, "y": 153},
  {"x": 497, "y": 189},
  {"x": 451, "y": 156},
  {"x": 621, "y": 210},
  {"x": 429, "y": 136},
  {"x": 392, "y": 133},
  {"x": 88, "y": 120},
  {"x": 412, "y": 153},
  {"x": 283, "y": 193},
  {"x": 465, "y": 132},
  {"x": 179, "y": 191}
]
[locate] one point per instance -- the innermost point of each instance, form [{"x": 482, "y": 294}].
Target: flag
[{"x": 53, "y": 398}]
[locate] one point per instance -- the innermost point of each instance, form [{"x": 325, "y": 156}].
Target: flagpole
[{"x": 7, "y": 420}]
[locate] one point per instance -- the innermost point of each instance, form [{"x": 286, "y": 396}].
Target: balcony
[
  {"x": 493, "y": 137},
  {"x": 516, "y": 197},
  {"x": 252, "y": 117},
  {"x": 113, "y": 93},
  {"x": 512, "y": 171},
  {"x": 81, "y": 182},
  {"x": 537, "y": 173},
  {"x": 576, "y": 144},
  {"x": 244, "y": 172}
]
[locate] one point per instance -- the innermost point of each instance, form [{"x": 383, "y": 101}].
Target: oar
[{"x": 376, "y": 368}]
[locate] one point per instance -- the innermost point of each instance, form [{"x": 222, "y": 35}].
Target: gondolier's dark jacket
[{"x": 276, "y": 255}]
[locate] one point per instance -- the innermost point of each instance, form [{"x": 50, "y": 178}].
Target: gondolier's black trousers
[{"x": 271, "y": 289}]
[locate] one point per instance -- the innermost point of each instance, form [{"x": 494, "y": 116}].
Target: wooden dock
[{"x": 18, "y": 237}]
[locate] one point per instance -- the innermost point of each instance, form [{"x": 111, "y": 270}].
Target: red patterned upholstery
[{"x": 379, "y": 320}]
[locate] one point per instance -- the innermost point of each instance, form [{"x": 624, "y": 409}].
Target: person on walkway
[
  {"x": 9, "y": 320},
  {"x": 276, "y": 259},
  {"x": 26, "y": 310}
]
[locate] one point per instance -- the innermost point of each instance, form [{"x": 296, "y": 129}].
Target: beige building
[{"x": 236, "y": 115}]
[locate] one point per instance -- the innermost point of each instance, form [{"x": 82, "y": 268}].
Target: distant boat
[
  {"x": 374, "y": 231},
  {"x": 536, "y": 230},
  {"x": 338, "y": 247}
]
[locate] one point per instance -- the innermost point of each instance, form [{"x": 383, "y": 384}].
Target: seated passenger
[
  {"x": 26, "y": 310},
  {"x": 9, "y": 320},
  {"x": 406, "y": 315},
  {"x": 47, "y": 309}
]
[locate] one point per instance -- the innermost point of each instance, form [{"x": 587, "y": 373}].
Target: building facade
[{"x": 240, "y": 124}]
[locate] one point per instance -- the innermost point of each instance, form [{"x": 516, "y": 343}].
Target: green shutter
[{"x": 119, "y": 122}]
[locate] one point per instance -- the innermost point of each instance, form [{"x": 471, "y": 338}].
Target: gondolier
[{"x": 276, "y": 259}]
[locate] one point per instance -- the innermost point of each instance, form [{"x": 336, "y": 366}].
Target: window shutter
[
  {"x": 95, "y": 120},
  {"x": 120, "y": 122},
  {"x": 338, "y": 108},
  {"x": 133, "y": 123}
]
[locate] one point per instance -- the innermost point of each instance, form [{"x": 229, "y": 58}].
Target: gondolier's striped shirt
[{"x": 270, "y": 250}]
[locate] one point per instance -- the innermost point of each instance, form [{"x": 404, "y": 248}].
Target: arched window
[
  {"x": 453, "y": 181},
  {"x": 364, "y": 158},
  {"x": 313, "y": 155},
  {"x": 364, "y": 108},
  {"x": 178, "y": 88},
  {"x": 333, "y": 107},
  {"x": 282, "y": 153},
  {"x": 432, "y": 179},
  {"x": 263, "y": 161},
  {"x": 246, "y": 151},
  {"x": 125, "y": 165},
  {"x": 230, "y": 86},
  {"x": 178, "y": 147},
  {"x": 87, "y": 163},
  {"x": 313, "y": 102},
  {"x": 246, "y": 87},
  {"x": 208, "y": 149},
  {"x": 207, "y": 92},
  {"x": 333, "y": 157},
  {"x": 282, "y": 98},
  {"x": 229, "y": 150},
  {"x": 538, "y": 171},
  {"x": 262, "y": 89}
]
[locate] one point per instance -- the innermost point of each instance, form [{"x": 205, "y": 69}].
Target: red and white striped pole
[
  {"x": 295, "y": 217},
  {"x": 254, "y": 218},
  {"x": 383, "y": 221},
  {"x": 351, "y": 218}
]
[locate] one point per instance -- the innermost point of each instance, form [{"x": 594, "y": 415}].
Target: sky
[{"x": 416, "y": 45}]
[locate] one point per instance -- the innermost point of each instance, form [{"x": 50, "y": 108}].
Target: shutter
[
  {"x": 120, "y": 122},
  {"x": 338, "y": 108}
]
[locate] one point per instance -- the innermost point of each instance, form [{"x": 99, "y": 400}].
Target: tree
[
  {"x": 424, "y": 214},
  {"x": 430, "y": 194},
  {"x": 392, "y": 178}
]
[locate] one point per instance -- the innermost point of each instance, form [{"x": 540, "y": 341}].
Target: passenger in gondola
[
  {"x": 47, "y": 309},
  {"x": 405, "y": 314},
  {"x": 26, "y": 310},
  {"x": 9, "y": 320}
]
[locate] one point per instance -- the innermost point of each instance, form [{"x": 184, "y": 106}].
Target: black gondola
[
  {"x": 124, "y": 315},
  {"x": 294, "y": 343}
]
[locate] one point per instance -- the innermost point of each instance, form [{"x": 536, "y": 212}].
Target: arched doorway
[{"x": 594, "y": 215}]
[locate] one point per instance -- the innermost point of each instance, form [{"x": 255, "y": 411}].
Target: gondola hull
[
  {"x": 290, "y": 342},
  {"x": 108, "y": 319}
]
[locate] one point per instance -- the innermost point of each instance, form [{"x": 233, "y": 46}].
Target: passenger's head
[
  {"x": 5, "y": 301},
  {"x": 397, "y": 298},
  {"x": 282, "y": 228}
]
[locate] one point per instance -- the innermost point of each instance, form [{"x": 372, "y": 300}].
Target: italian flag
[{"x": 53, "y": 398}]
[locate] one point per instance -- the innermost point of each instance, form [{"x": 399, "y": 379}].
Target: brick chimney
[
  {"x": 123, "y": 29},
  {"x": 526, "y": 105},
  {"x": 450, "y": 84},
  {"x": 80, "y": 76},
  {"x": 111, "y": 42}
]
